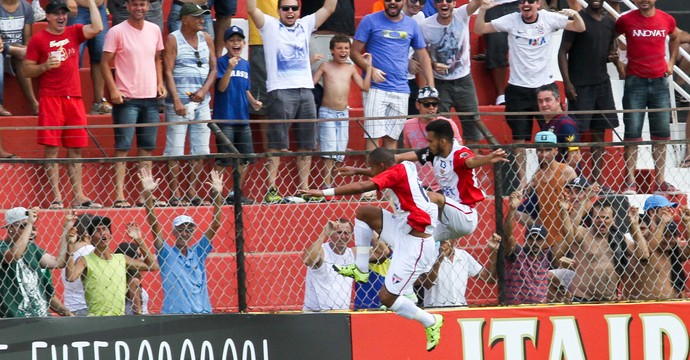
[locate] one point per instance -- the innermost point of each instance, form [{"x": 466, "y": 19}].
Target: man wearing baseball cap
[
  {"x": 183, "y": 264},
  {"x": 232, "y": 101},
  {"x": 52, "y": 56},
  {"x": 189, "y": 68},
  {"x": 25, "y": 286}
]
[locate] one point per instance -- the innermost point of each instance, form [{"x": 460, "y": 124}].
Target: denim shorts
[
  {"x": 241, "y": 137},
  {"x": 176, "y": 132},
  {"x": 95, "y": 44},
  {"x": 333, "y": 135},
  {"x": 136, "y": 111},
  {"x": 174, "y": 21},
  {"x": 641, "y": 93}
]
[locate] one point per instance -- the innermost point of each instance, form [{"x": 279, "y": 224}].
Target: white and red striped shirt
[
  {"x": 457, "y": 181},
  {"x": 408, "y": 195}
]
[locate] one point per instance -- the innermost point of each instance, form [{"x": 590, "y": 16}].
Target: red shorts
[{"x": 62, "y": 111}]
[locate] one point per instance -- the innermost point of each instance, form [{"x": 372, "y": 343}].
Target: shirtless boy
[{"x": 337, "y": 75}]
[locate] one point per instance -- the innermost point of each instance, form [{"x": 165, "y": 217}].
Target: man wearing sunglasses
[
  {"x": 189, "y": 65},
  {"x": 289, "y": 84},
  {"x": 529, "y": 41},
  {"x": 448, "y": 41}
]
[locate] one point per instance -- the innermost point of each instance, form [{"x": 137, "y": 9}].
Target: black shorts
[
  {"x": 225, "y": 7},
  {"x": 521, "y": 99},
  {"x": 594, "y": 97},
  {"x": 497, "y": 43}
]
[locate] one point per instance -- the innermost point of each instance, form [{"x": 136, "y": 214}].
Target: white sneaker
[{"x": 501, "y": 100}]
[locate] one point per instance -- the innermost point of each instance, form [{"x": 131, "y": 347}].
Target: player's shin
[{"x": 363, "y": 236}]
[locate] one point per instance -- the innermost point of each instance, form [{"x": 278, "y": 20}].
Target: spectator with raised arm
[
  {"x": 529, "y": 41},
  {"x": 189, "y": 63},
  {"x": 25, "y": 290},
  {"x": 289, "y": 85},
  {"x": 104, "y": 273},
  {"x": 183, "y": 264},
  {"x": 134, "y": 48},
  {"x": 73, "y": 293},
  {"x": 446, "y": 283},
  {"x": 52, "y": 56},
  {"x": 137, "y": 297},
  {"x": 447, "y": 36}
]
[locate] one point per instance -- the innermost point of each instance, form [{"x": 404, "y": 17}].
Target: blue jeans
[
  {"x": 641, "y": 93},
  {"x": 174, "y": 22},
  {"x": 136, "y": 111},
  {"x": 96, "y": 44}
]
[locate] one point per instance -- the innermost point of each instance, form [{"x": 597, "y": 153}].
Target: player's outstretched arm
[
  {"x": 498, "y": 155},
  {"x": 349, "y": 189}
]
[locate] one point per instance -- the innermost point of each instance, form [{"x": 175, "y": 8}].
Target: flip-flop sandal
[
  {"x": 156, "y": 203},
  {"x": 4, "y": 112},
  {"x": 174, "y": 201},
  {"x": 197, "y": 201},
  {"x": 11, "y": 156},
  {"x": 56, "y": 205},
  {"x": 121, "y": 204},
  {"x": 87, "y": 205}
]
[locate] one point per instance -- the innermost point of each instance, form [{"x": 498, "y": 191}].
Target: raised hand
[
  {"x": 329, "y": 228},
  {"x": 633, "y": 216},
  {"x": 216, "y": 182},
  {"x": 494, "y": 241},
  {"x": 134, "y": 232},
  {"x": 498, "y": 155},
  {"x": 515, "y": 200},
  {"x": 685, "y": 215},
  {"x": 666, "y": 215},
  {"x": 564, "y": 202},
  {"x": 148, "y": 183},
  {"x": 345, "y": 171}
]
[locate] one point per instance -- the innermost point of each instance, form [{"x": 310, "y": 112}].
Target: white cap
[
  {"x": 14, "y": 215},
  {"x": 183, "y": 219}
]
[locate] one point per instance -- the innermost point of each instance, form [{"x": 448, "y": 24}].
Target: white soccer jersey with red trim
[{"x": 457, "y": 181}]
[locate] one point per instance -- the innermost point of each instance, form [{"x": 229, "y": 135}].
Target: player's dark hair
[
  {"x": 382, "y": 156},
  {"x": 338, "y": 39},
  {"x": 442, "y": 129}
]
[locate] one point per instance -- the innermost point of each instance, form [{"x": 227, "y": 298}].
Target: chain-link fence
[{"x": 562, "y": 235}]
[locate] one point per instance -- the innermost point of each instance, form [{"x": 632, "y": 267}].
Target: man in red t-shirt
[
  {"x": 52, "y": 56},
  {"x": 646, "y": 86}
]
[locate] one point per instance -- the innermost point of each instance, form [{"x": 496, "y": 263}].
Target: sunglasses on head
[
  {"x": 289, "y": 7},
  {"x": 428, "y": 104}
]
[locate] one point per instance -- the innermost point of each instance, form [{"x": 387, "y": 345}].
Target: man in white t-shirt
[
  {"x": 289, "y": 84},
  {"x": 446, "y": 283},
  {"x": 325, "y": 289},
  {"x": 529, "y": 40},
  {"x": 447, "y": 38}
]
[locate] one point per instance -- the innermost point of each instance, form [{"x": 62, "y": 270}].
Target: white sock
[
  {"x": 363, "y": 236},
  {"x": 407, "y": 309}
]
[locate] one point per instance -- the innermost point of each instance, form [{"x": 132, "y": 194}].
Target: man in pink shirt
[{"x": 134, "y": 48}]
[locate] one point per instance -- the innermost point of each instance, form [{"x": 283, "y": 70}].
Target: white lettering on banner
[
  {"x": 145, "y": 345},
  {"x": 566, "y": 341},
  {"x": 121, "y": 345},
  {"x": 649, "y": 33},
  {"x": 513, "y": 332},
  {"x": 248, "y": 346},
  {"x": 97, "y": 345},
  {"x": 619, "y": 337},
  {"x": 80, "y": 345},
  {"x": 655, "y": 326},
  {"x": 472, "y": 338},
  {"x": 121, "y": 349}
]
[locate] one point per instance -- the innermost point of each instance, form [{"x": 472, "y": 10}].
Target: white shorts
[
  {"x": 457, "y": 220},
  {"x": 412, "y": 255},
  {"x": 379, "y": 103}
]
